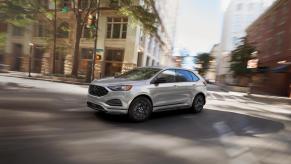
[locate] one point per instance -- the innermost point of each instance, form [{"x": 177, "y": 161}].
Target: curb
[
  {"x": 270, "y": 98},
  {"x": 43, "y": 79}
]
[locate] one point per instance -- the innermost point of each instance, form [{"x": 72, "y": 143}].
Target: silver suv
[{"x": 141, "y": 91}]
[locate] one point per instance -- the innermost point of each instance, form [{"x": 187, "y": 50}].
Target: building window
[
  {"x": 285, "y": 9},
  {"x": 114, "y": 55},
  {"x": 63, "y": 30},
  {"x": 148, "y": 61},
  {"x": 84, "y": 4},
  {"x": 86, "y": 53},
  {"x": 116, "y": 27},
  {"x": 41, "y": 30},
  {"x": 17, "y": 31},
  {"x": 139, "y": 59},
  {"x": 115, "y": 3},
  {"x": 153, "y": 62},
  {"x": 279, "y": 42},
  {"x": 270, "y": 46}
]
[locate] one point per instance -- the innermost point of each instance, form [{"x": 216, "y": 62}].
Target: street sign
[
  {"x": 253, "y": 63},
  {"x": 99, "y": 50}
]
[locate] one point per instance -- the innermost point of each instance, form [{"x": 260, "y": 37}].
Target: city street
[{"x": 45, "y": 122}]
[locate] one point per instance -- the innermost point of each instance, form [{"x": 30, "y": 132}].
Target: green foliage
[
  {"x": 2, "y": 40},
  {"x": 240, "y": 57},
  {"x": 204, "y": 60},
  {"x": 141, "y": 14},
  {"x": 22, "y": 12}
]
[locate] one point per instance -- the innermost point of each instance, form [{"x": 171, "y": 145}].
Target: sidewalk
[
  {"x": 269, "y": 98},
  {"x": 258, "y": 97},
  {"x": 36, "y": 76}
]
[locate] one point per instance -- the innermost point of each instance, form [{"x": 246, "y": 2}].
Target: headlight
[{"x": 120, "y": 87}]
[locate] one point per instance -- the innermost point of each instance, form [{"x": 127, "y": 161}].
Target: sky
[{"x": 199, "y": 24}]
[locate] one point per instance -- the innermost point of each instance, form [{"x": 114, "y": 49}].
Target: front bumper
[{"x": 99, "y": 103}]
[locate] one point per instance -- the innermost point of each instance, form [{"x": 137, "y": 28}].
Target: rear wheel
[
  {"x": 198, "y": 103},
  {"x": 140, "y": 109}
]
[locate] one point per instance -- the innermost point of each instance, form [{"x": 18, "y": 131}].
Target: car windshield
[{"x": 139, "y": 74}]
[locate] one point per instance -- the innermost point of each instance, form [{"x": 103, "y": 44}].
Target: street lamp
[{"x": 29, "y": 59}]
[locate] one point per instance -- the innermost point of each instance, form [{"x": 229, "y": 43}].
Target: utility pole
[
  {"x": 95, "y": 40},
  {"x": 55, "y": 37}
]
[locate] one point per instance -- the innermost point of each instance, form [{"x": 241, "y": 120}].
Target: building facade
[
  {"x": 121, "y": 45},
  {"x": 237, "y": 17},
  {"x": 273, "y": 45},
  {"x": 211, "y": 73}
]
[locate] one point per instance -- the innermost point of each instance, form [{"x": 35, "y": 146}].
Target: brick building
[{"x": 271, "y": 35}]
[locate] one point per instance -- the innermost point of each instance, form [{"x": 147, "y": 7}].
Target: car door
[
  {"x": 185, "y": 85},
  {"x": 165, "y": 94}
]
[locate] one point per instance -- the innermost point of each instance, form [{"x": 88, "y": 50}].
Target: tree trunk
[{"x": 78, "y": 34}]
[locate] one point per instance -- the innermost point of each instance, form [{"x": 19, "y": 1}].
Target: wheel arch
[{"x": 142, "y": 95}]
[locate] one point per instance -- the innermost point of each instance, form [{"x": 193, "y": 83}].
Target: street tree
[
  {"x": 240, "y": 57},
  {"x": 22, "y": 13},
  {"x": 203, "y": 60},
  {"x": 2, "y": 40},
  {"x": 25, "y": 12},
  {"x": 145, "y": 15}
]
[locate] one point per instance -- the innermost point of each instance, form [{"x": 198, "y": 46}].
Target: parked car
[{"x": 141, "y": 91}]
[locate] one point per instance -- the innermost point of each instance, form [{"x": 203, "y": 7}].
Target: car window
[
  {"x": 168, "y": 75},
  {"x": 194, "y": 77},
  {"x": 139, "y": 74},
  {"x": 185, "y": 76}
]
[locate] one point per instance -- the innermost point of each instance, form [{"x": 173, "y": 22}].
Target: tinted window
[
  {"x": 168, "y": 75},
  {"x": 139, "y": 74},
  {"x": 183, "y": 76},
  {"x": 194, "y": 77}
]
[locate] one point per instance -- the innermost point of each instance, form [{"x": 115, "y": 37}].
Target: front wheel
[
  {"x": 198, "y": 103},
  {"x": 140, "y": 109}
]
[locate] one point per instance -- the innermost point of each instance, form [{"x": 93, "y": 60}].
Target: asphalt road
[{"x": 48, "y": 123}]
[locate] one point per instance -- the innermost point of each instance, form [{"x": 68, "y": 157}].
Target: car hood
[{"x": 117, "y": 81}]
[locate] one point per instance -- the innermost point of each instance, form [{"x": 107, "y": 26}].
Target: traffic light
[
  {"x": 91, "y": 21},
  {"x": 98, "y": 57}
]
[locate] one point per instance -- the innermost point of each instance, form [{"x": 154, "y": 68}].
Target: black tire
[
  {"x": 198, "y": 103},
  {"x": 140, "y": 109}
]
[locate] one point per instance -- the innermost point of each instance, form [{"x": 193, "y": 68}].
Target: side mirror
[{"x": 160, "y": 80}]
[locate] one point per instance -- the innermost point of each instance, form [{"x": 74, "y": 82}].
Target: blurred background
[
  {"x": 50, "y": 50},
  {"x": 240, "y": 44}
]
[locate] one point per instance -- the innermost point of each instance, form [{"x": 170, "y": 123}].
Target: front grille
[
  {"x": 97, "y": 90},
  {"x": 114, "y": 102}
]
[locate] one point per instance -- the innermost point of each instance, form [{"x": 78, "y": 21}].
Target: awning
[{"x": 281, "y": 69}]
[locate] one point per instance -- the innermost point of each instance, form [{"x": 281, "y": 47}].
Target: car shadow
[{"x": 182, "y": 123}]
